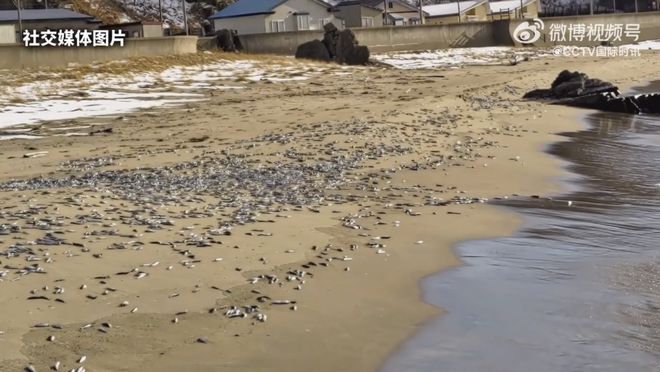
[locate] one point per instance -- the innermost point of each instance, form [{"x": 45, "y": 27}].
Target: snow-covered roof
[
  {"x": 447, "y": 9},
  {"x": 508, "y": 5}
]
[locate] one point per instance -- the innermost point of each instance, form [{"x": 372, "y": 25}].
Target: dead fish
[
  {"x": 82, "y": 359},
  {"x": 282, "y": 302},
  {"x": 51, "y": 338}
]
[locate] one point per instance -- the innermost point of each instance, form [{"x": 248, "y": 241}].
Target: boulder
[
  {"x": 338, "y": 45},
  {"x": 577, "y": 89},
  {"x": 314, "y": 50},
  {"x": 330, "y": 38},
  {"x": 348, "y": 50},
  {"x": 358, "y": 56},
  {"x": 228, "y": 40}
]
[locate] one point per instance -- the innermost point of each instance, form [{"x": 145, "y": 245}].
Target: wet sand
[{"x": 419, "y": 147}]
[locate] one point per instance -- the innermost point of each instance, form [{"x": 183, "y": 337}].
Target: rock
[
  {"x": 578, "y": 90},
  {"x": 346, "y": 43},
  {"x": 338, "y": 45},
  {"x": 314, "y": 50},
  {"x": 330, "y": 27},
  {"x": 330, "y": 38},
  {"x": 228, "y": 40},
  {"x": 359, "y": 56},
  {"x": 348, "y": 50}
]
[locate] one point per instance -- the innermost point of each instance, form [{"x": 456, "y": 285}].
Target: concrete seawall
[
  {"x": 19, "y": 56},
  {"x": 382, "y": 39},
  {"x": 477, "y": 34}
]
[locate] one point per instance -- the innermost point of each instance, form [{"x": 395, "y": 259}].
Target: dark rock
[
  {"x": 346, "y": 43},
  {"x": 314, "y": 50},
  {"x": 649, "y": 103},
  {"x": 348, "y": 50},
  {"x": 228, "y": 41},
  {"x": 330, "y": 27},
  {"x": 359, "y": 56},
  {"x": 577, "y": 89}
]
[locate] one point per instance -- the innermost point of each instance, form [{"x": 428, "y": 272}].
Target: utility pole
[
  {"x": 160, "y": 11},
  {"x": 591, "y": 7},
  {"x": 20, "y": 19},
  {"x": 385, "y": 5},
  {"x": 458, "y": 5},
  {"x": 185, "y": 17},
  {"x": 521, "y": 10},
  {"x": 636, "y": 7},
  {"x": 421, "y": 13}
]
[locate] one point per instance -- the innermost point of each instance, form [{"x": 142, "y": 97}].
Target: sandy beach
[{"x": 281, "y": 226}]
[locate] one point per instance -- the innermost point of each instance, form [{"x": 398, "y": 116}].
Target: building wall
[
  {"x": 7, "y": 34},
  {"x": 152, "y": 31},
  {"x": 442, "y": 20},
  {"x": 244, "y": 25},
  {"x": 353, "y": 14},
  {"x": 317, "y": 12},
  {"x": 476, "y": 14},
  {"x": 17, "y": 56},
  {"x": 282, "y": 13},
  {"x": 531, "y": 10},
  {"x": 58, "y": 25}
]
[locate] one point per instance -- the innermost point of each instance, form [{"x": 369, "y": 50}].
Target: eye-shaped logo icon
[{"x": 528, "y": 32}]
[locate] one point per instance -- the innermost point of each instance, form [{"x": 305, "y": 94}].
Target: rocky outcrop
[
  {"x": 314, "y": 50},
  {"x": 341, "y": 46},
  {"x": 578, "y": 90},
  {"x": 348, "y": 50},
  {"x": 228, "y": 41}
]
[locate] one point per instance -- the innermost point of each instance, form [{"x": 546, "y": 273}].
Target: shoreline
[
  {"x": 414, "y": 354},
  {"x": 372, "y": 308}
]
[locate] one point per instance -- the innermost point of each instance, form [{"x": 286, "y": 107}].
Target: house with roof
[
  {"x": 42, "y": 19},
  {"x": 510, "y": 9},
  {"x": 356, "y": 14},
  {"x": 262, "y": 16},
  {"x": 457, "y": 12},
  {"x": 398, "y": 12}
]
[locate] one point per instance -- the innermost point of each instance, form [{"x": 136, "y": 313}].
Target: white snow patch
[
  {"x": 99, "y": 94},
  {"x": 458, "y": 57}
]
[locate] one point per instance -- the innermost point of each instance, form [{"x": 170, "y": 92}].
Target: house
[
  {"x": 510, "y": 9},
  {"x": 54, "y": 19},
  {"x": 7, "y": 34},
  {"x": 456, "y": 12},
  {"x": 356, "y": 14},
  {"x": 137, "y": 29},
  {"x": 398, "y": 13},
  {"x": 261, "y": 16}
]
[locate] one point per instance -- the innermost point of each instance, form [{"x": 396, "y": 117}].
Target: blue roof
[{"x": 245, "y": 8}]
